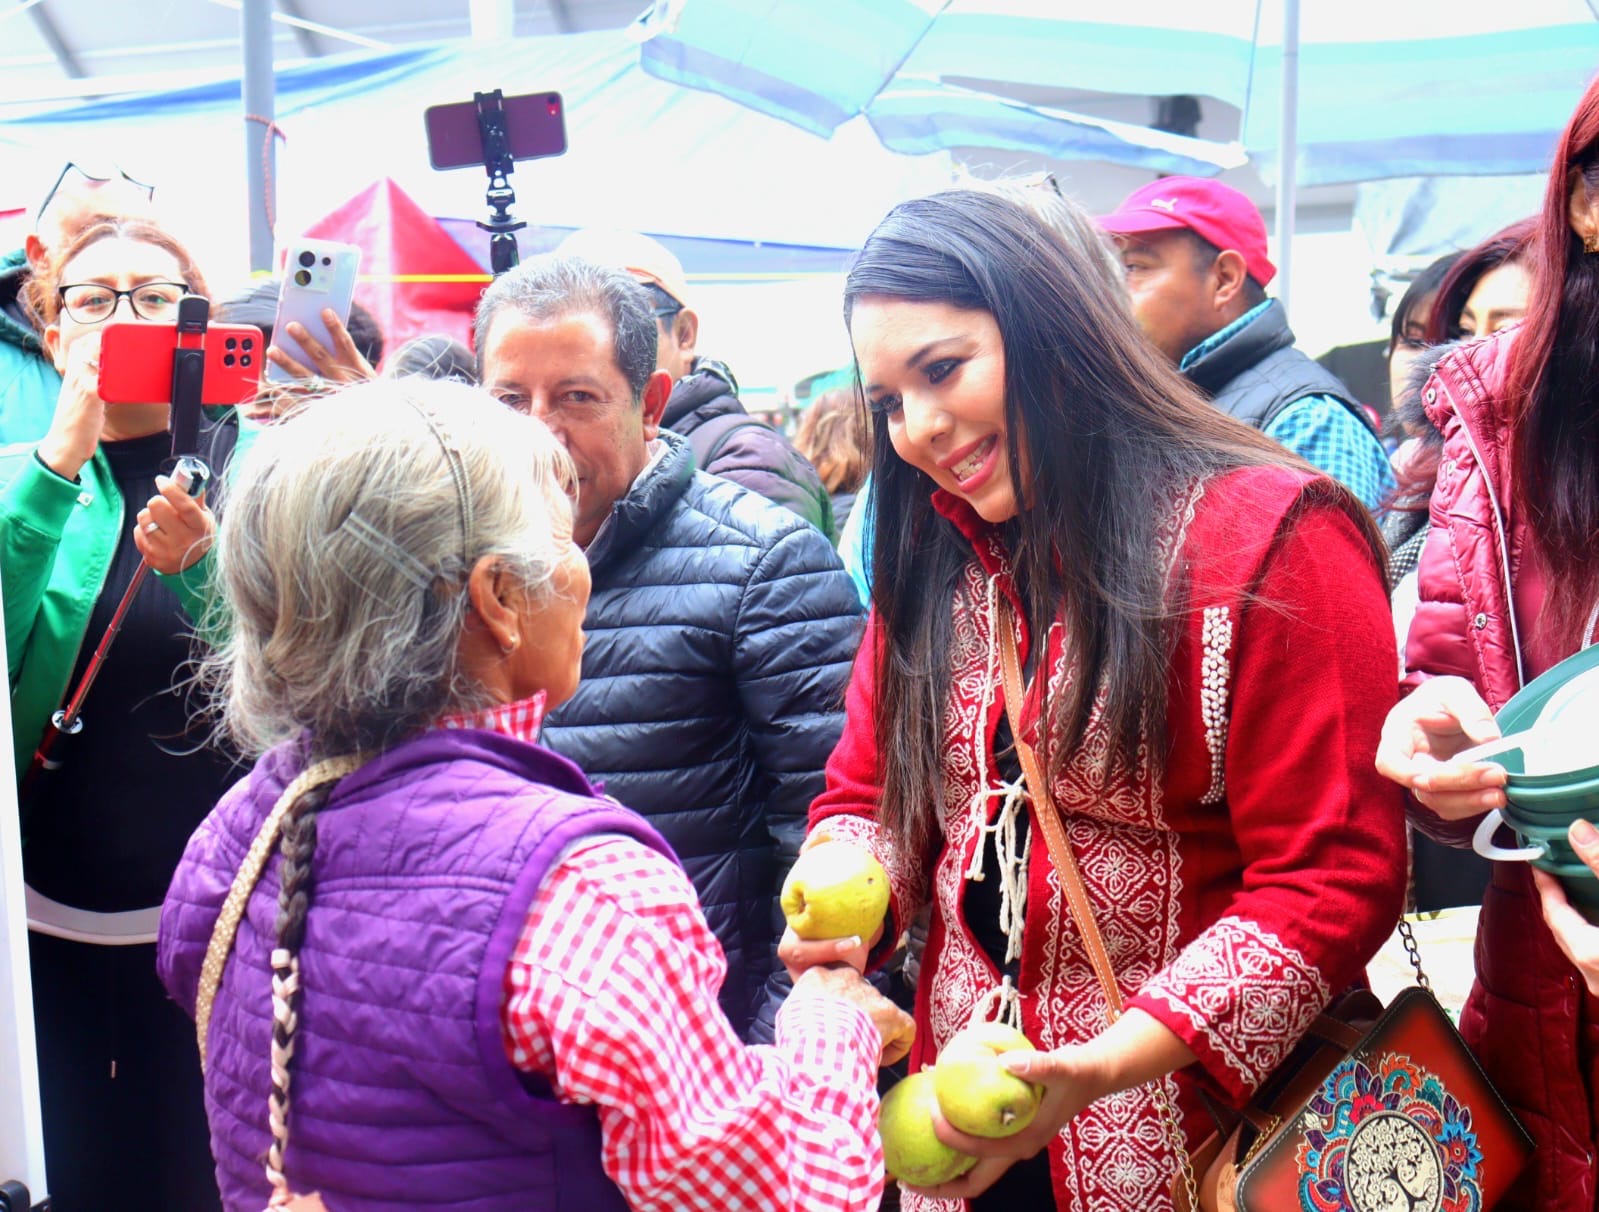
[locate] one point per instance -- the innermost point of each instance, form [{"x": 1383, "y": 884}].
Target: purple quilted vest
[{"x": 427, "y": 860}]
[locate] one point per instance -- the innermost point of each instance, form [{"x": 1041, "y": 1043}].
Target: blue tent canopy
[{"x": 1425, "y": 87}]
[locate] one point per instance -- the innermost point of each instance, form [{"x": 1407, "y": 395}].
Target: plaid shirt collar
[{"x": 520, "y": 720}]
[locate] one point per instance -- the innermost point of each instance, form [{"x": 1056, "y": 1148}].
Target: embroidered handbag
[{"x": 1373, "y": 1110}]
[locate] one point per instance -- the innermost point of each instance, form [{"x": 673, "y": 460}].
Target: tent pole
[
  {"x": 1288, "y": 154},
  {"x": 260, "y": 144}
]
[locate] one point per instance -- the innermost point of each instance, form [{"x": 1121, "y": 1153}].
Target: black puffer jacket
[
  {"x": 720, "y": 635},
  {"x": 728, "y": 442}
]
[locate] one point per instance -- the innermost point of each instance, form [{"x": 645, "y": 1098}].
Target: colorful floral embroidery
[{"x": 1385, "y": 1134}]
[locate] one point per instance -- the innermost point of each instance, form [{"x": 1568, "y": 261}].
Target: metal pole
[
  {"x": 1288, "y": 154},
  {"x": 260, "y": 146},
  {"x": 492, "y": 21}
]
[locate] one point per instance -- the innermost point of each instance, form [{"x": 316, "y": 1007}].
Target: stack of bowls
[{"x": 1554, "y": 780}]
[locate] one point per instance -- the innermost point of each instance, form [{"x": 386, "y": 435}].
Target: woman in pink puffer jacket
[{"x": 1509, "y": 585}]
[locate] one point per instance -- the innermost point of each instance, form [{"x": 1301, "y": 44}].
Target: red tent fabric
[{"x": 411, "y": 269}]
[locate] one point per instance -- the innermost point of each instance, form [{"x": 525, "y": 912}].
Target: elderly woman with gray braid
[{"x": 430, "y": 964}]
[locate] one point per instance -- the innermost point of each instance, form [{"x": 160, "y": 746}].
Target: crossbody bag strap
[
  {"x": 1049, "y": 822},
  {"x": 1071, "y": 882},
  {"x": 245, "y": 880}
]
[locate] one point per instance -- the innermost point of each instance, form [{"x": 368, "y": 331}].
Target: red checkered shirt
[{"x": 611, "y": 994}]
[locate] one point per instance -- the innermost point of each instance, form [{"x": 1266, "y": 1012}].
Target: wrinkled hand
[
  {"x": 800, "y": 955},
  {"x": 896, "y": 1028},
  {"x": 1072, "y": 1078},
  {"x": 80, "y": 413},
  {"x": 174, "y": 529},
  {"x": 1424, "y": 731},
  {"x": 1577, "y": 938},
  {"x": 343, "y": 364}
]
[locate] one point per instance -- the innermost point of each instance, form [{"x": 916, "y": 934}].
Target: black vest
[{"x": 1256, "y": 373}]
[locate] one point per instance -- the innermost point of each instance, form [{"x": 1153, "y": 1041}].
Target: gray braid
[{"x": 297, "y": 845}]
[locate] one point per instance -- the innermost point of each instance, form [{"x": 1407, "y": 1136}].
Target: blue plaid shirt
[{"x": 1323, "y": 432}]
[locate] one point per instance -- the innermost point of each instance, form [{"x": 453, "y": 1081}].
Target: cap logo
[{"x": 1166, "y": 204}]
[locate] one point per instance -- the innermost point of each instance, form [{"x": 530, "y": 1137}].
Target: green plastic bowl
[{"x": 1571, "y": 793}]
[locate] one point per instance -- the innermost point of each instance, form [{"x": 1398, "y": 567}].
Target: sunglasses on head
[{"x": 82, "y": 174}]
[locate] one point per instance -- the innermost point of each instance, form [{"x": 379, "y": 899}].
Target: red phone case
[{"x": 136, "y": 363}]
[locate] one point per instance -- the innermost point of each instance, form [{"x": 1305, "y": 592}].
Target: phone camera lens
[
  {"x": 227, "y": 359},
  {"x": 308, "y": 258},
  {"x": 231, "y": 343},
  {"x": 302, "y": 277},
  {"x": 327, "y": 260}
]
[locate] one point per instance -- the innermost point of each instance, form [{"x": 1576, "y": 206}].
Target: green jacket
[
  {"x": 29, "y": 383},
  {"x": 57, "y": 539}
]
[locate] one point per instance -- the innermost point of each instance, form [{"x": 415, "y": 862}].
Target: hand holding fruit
[
  {"x": 835, "y": 899},
  {"x": 971, "y": 1085},
  {"x": 897, "y": 1029},
  {"x": 1135, "y": 1049}
]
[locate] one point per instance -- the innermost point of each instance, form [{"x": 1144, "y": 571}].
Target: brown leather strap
[{"x": 1049, "y": 822}]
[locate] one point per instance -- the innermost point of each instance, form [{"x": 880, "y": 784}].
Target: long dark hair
[
  {"x": 1111, "y": 432},
  {"x": 1552, "y": 387}
]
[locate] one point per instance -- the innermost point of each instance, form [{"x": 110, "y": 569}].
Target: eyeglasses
[
  {"x": 91, "y": 302},
  {"x": 89, "y": 178},
  {"x": 666, "y": 306}
]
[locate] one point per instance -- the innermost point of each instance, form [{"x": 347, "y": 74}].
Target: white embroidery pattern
[
  {"x": 1215, "y": 671},
  {"x": 1249, "y": 993},
  {"x": 962, "y": 974}
]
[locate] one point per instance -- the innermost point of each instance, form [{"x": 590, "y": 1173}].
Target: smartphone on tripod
[
  {"x": 495, "y": 131},
  {"x": 535, "y": 127}
]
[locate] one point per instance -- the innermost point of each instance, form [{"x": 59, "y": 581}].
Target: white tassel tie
[{"x": 1013, "y": 854}]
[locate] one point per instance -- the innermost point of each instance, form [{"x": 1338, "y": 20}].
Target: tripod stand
[{"x": 497, "y": 162}]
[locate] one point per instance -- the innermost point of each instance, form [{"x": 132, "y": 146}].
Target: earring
[
  {"x": 508, "y": 649},
  {"x": 1590, "y": 243}
]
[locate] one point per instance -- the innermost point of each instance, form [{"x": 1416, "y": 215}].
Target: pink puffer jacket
[{"x": 1527, "y": 1014}]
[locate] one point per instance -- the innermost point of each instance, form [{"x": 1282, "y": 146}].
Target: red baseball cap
[{"x": 1213, "y": 211}]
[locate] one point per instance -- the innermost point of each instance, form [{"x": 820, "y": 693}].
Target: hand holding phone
[
  {"x": 318, "y": 276},
  {"x": 343, "y": 363}
]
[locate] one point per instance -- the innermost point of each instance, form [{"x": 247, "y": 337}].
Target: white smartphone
[{"x": 318, "y": 274}]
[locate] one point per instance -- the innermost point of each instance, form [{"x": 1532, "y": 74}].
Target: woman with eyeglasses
[{"x": 124, "y": 1122}]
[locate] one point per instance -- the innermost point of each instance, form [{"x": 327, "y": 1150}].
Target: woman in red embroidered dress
[{"x": 1204, "y": 628}]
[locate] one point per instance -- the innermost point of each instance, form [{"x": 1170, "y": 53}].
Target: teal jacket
[
  {"x": 57, "y": 539},
  {"x": 29, "y": 383}
]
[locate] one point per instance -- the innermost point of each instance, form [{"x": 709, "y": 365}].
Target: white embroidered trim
[
  {"x": 1249, "y": 993},
  {"x": 1215, "y": 673}
]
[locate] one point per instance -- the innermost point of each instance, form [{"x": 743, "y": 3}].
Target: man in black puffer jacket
[
  {"x": 704, "y": 406},
  {"x": 721, "y": 628}
]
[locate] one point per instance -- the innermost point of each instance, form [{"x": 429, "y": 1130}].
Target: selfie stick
[
  {"x": 190, "y": 473},
  {"x": 188, "y": 375},
  {"x": 497, "y": 162}
]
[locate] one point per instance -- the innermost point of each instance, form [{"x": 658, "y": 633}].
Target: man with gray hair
[{"x": 721, "y": 628}]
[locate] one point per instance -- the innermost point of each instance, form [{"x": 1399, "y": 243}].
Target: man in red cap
[{"x": 1195, "y": 255}]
